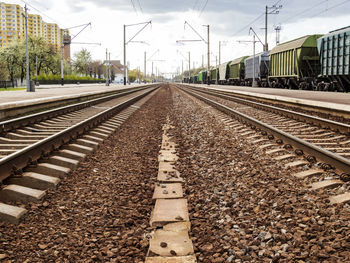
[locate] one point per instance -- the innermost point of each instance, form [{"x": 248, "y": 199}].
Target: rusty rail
[
  {"x": 24, "y": 157},
  {"x": 324, "y": 123},
  {"x": 323, "y": 155},
  {"x": 16, "y": 123}
]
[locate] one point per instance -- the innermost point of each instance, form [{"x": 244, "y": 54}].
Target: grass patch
[{"x": 11, "y": 89}]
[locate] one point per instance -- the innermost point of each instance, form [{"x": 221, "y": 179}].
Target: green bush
[{"x": 68, "y": 79}]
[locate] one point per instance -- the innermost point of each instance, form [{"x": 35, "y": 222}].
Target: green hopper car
[
  {"x": 236, "y": 75},
  {"x": 295, "y": 64}
]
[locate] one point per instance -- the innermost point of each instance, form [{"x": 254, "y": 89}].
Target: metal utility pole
[
  {"x": 62, "y": 46},
  {"x": 208, "y": 67},
  {"x": 201, "y": 39},
  {"x": 216, "y": 70},
  {"x": 273, "y": 10},
  {"x": 107, "y": 81},
  {"x": 182, "y": 70},
  {"x": 68, "y": 42},
  {"x": 254, "y": 84},
  {"x": 152, "y": 72},
  {"x": 124, "y": 45},
  {"x": 36, "y": 69},
  {"x": 27, "y": 52},
  {"x": 126, "y": 42},
  {"x": 219, "y": 52},
  {"x": 189, "y": 67},
  {"x": 144, "y": 77},
  {"x": 109, "y": 68}
]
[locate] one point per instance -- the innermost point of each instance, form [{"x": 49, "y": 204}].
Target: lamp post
[{"x": 27, "y": 52}]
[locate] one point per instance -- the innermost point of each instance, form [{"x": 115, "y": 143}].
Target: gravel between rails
[
  {"x": 101, "y": 212},
  {"x": 245, "y": 207}
]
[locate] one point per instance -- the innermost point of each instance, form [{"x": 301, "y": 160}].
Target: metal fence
[{"x": 8, "y": 84}]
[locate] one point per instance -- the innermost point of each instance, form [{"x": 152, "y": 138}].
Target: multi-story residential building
[{"x": 12, "y": 27}]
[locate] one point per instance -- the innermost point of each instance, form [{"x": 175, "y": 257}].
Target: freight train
[{"x": 313, "y": 62}]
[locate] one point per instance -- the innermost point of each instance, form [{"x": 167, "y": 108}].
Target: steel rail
[
  {"x": 16, "y": 123},
  {"x": 324, "y": 123},
  {"x": 30, "y": 154},
  {"x": 322, "y": 109},
  {"x": 323, "y": 155}
]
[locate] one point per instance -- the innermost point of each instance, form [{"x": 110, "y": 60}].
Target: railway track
[
  {"x": 37, "y": 151},
  {"x": 314, "y": 149}
]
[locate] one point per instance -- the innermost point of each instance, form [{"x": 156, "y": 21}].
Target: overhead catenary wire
[
  {"x": 304, "y": 11},
  {"x": 205, "y": 5},
  {"x": 134, "y": 7},
  {"x": 140, "y": 6},
  {"x": 248, "y": 25},
  {"x": 329, "y": 8},
  {"x": 42, "y": 13},
  {"x": 195, "y": 5},
  {"x": 253, "y": 21}
]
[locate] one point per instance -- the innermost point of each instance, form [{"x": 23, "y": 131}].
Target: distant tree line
[{"x": 13, "y": 61}]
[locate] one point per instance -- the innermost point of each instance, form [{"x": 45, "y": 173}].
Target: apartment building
[{"x": 12, "y": 27}]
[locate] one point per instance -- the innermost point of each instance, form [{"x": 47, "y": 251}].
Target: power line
[
  {"x": 140, "y": 6},
  {"x": 205, "y": 5},
  {"x": 133, "y": 5},
  {"x": 195, "y": 4},
  {"x": 256, "y": 19},
  {"x": 54, "y": 20},
  {"x": 329, "y": 8},
  {"x": 304, "y": 11}
]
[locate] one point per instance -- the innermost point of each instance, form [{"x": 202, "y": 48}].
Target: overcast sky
[{"x": 229, "y": 22}]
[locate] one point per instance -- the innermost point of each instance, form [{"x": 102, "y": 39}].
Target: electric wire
[
  {"x": 304, "y": 11},
  {"x": 42, "y": 13},
  {"x": 195, "y": 4},
  {"x": 140, "y": 6},
  {"x": 133, "y": 5},
  {"x": 329, "y": 8},
  {"x": 248, "y": 25},
  {"x": 205, "y": 5}
]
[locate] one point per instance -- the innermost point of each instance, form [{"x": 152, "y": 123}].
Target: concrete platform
[
  {"x": 11, "y": 214},
  {"x": 332, "y": 100},
  {"x": 169, "y": 211},
  {"x": 19, "y": 101}
]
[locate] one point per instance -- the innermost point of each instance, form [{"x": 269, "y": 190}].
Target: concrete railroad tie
[{"x": 170, "y": 242}]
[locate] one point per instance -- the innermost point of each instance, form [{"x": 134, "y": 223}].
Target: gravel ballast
[
  {"x": 101, "y": 211},
  {"x": 245, "y": 207}
]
